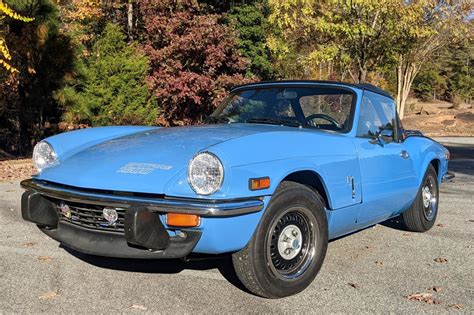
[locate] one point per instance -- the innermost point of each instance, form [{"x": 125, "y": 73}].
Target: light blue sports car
[{"x": 279, "y": 169}]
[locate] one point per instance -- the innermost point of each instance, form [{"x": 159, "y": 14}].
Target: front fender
[
  {"x": 230, "y": 234},
  {"x": 333, "y": 172}
]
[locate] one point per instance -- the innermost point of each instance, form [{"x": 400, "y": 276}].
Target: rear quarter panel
[{"x": 423, "y": 151}]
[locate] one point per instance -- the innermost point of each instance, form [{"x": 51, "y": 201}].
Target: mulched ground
[
  {"x": 16, "y": 169},
  {"x": 439, "y": 120}
]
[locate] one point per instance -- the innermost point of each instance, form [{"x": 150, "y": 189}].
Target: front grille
[{"x": 90, "y": 216}]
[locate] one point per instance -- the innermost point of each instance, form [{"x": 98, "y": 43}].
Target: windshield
[{"x": 327, "y": 108}]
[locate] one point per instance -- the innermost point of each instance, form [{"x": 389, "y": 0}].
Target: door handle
[{"x": 404, "y": 154}]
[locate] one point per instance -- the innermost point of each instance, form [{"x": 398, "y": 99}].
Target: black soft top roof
[{"x": 362, "y": 86}]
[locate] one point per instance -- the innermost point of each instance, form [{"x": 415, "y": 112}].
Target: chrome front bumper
[
  {"x": 142, "y": 233},
  {"x": 204, "y": 208}
]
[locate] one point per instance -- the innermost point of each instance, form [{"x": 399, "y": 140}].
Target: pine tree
[{"x": 110, "y": 88}]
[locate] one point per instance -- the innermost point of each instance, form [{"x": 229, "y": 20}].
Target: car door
[{"x": 386, "y": 167}]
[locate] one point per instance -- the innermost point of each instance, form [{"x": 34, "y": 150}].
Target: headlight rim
[
  {"x": 54, "y": 162},
  {"x": 189, "y": 173}
]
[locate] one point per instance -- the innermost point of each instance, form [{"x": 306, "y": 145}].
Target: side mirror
[{"x": 382, "y": 137}]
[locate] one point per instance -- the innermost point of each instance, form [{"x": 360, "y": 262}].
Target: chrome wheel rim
[
  {"x": 291, "y": 243},
  {"x": 429, "y": 197}
]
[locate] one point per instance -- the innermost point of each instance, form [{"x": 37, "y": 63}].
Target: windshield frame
[{"x": 263, "y": 86}]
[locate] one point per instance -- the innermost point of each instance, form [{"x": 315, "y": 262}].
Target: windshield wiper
[{"x": 272, "y": 121}]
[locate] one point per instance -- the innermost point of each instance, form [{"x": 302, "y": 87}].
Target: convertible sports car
[{"x": 278, "y": 169}]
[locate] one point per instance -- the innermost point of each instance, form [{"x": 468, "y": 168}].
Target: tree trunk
[
  {"x": 362, "y": 75},
  {"x": 130, "y": 19},
  {"x": 406, "y": 73}
]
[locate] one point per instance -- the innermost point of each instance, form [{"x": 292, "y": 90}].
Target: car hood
[{"x": 144, "y": 161}]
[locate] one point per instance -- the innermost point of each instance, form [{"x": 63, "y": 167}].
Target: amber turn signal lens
[
  {"x": 182, "y": 220},
  {"x": 259, "y": 183}
]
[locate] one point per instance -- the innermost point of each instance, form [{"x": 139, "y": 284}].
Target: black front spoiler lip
[
  {"x": 143, "y": 236},
  {"x": 205, "y": 208},
  {"x": 110, "y": 244}
]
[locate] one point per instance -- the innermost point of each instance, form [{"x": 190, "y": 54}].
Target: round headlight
[
  {"x": 44, "y": 156},
  {"x": 205, "y": 173}
]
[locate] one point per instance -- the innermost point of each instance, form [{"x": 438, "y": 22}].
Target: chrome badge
[
  {"x": 142, "y": 168},
  {"x": 65, "y": 210},
  {"x": 111, "y": 215}
]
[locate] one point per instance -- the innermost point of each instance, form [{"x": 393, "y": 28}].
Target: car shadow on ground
[
  {"x": 395, "y": 223},
  {"x": 222, "y": 263}
]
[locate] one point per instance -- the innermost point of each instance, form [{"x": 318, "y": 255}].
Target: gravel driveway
[{"x": 370, "y": 271}]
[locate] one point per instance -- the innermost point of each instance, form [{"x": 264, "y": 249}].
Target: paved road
[{"x": 384, "y": 264}]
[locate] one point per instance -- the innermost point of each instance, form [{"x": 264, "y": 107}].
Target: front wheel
[
  {"x": 289, "y": 246},
  {"x": 421, "y": 216}
]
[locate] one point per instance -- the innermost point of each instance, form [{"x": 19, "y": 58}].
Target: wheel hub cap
[
  {"x": 426, "y": 197},
  {"x": 428, "y": 193},
  {"x": 289, "y": 242}
]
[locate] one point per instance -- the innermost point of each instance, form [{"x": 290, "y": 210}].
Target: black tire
[
  {"x": 422, "y": 214},
  {"x": 262, "y": 267}
]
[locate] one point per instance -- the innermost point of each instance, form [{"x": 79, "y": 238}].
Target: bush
[
  {"x": 194, "y": 59},
  {"x": 111, "y": 85}
]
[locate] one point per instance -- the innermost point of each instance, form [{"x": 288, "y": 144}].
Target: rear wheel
[
  {"x": 288, "y": 248},
  {"x": 421, "y": 216}
]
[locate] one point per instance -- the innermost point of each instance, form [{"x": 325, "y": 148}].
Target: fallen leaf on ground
[
  {"x": 45, "y": 258},
  {"x": 16, "y": 169},
  {"x": 458, "y": 306},
  {"x": 441, "y": 225},
  {"x": 354, "y": 285},
  {"x": 406, "y": 234},
  {"x": 138, "y": 307},
  {"x": 50, "y": 295},
  {"x": 29, "y": 244},
  {"x": 440, "y": 260},
  {"x": 424, "y": 297},
  {"x": 436, "y": 289}
]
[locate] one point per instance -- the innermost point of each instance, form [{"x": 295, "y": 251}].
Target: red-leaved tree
[{"x": 193, "y": 59}]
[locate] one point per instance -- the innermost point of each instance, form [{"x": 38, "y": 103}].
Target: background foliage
[
  {"x": 99, "y": 62},
  {"x": 112, "y": 76},
  {"x": 194, "y": 59}
]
